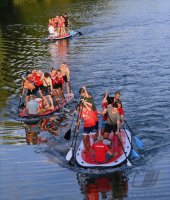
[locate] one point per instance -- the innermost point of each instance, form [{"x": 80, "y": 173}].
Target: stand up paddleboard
[
  {"x": 25, "y": 116},
  {"x": 87, "y": 159},
  {"x": 69, "y": 35}
]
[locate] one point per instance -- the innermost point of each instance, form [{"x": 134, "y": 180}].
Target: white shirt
[
  {"x": 33, "y": 107},
  {"x": 51, "y": 30}
]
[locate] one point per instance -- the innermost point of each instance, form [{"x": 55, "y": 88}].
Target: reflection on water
[
  {"x": 13, "y": 133},
  {"x": 110, "y": 186},
  {"x": 59, "y": 51},
  {"x": 124, "y": 45},
  {"x": 50, "y": 125}
]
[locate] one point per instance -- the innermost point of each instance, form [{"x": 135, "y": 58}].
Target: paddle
[
  {"x": 127, "y": 161},
  {"x": 138, "y": 142},
  {"x": 68, "y": 133},
  {"x": 134, "y": 153},
  {"x": 72, "y": 32},
  {"x": 21, "y": 97},
  {"x": 70, "y": 153},
  {"x": 80, "y": 33}
]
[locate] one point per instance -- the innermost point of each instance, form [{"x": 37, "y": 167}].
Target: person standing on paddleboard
[
  {"x": 89, "y": 118},
  {"x": 113, "y": 120},
  {"x": 67, "y": 23},
  {"x": 89, "y": 98},
  {"x": 65, "y": 71}
]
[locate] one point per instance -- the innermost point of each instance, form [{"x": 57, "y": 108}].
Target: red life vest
[{"x": 89, "y": 117}]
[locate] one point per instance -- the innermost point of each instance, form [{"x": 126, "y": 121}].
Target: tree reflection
[{"x": 108, "y": 186}]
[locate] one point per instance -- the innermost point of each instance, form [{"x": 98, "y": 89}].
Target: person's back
[
  {"x": 33, "y": 107},
  {"x": 101, "y": 150}
]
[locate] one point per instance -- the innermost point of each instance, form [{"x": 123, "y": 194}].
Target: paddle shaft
[
  {"x": 134, "y": 153},
  {"x": 129, "y": 128},
  {"x": 77, "y": 125},
  {"x": 21, "y": 96},
  {"x": 127, "y": 124},
  {"x": 77, "y": 128},
  {"x": 127, "y": 136},
  {"x": 138, "y": 142},
  {"x": 122, "y": 146},
  {"x": 77, "y": 107}
]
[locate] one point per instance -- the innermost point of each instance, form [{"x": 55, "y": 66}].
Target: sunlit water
[{"x": 124, "y": 46}]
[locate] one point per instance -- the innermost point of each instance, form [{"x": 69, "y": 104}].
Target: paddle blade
[
  {"x": 69, "y": 155},
  {"x": 135, "y": 154},
  {"x": 21, "y": 106},
  {"x": 80, "y": 33},
  {"x": 67, "y": 135},
  {"x": 138, "y": 142},
  {"x": 128, "y": 163}
]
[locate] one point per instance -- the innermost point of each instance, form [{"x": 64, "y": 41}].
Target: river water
[{"x": 124, "y": 46}]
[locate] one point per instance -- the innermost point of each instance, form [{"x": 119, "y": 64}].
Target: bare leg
[
  {"x": 56, "y": 94},
  {"x": 46, "y": 104},
  {"x": 51, "y": 101},
  {"x": 26, "y": 101},
  {"x": 63, "y": 31},
  {"x": 61, "y": 94},
  {"x": 86, "y": 142},
  {"x": 68, "y": 89},
  {"x": 59, "y": 32}
]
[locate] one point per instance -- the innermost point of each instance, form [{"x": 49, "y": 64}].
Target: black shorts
[
  {"x": 65, "y": 79},
  {"x": 56, "y": 85},
  {"x": 89, "y": 130},
  {"x": 109, "y": 128},
  {"x": 45, "y": 91},
  {"x": 39, "y": 87},
  {"x": 31, "y": 92}
]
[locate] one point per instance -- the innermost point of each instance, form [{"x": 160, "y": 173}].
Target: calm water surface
[{"x": 124, "y": 46}]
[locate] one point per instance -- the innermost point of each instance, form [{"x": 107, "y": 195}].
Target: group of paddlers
[
  {"x": 59, "y": 26},
  {"x": 44, "y": 89},
  {"x": 113, "y": 116}
]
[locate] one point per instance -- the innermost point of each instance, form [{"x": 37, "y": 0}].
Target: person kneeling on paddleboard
[{"x": 102, "y": 153}]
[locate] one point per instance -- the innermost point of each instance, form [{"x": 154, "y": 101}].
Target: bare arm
[
  {"x": 87, "y": 104},
  {"x": 105, "y": 98},
  {"x": 122, "y": 119},
  {"x": 86, "y": 93}
]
